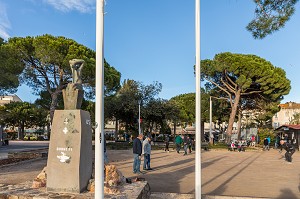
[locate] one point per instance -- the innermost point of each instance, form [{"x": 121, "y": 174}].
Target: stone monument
[{"x": 69, "y": 165}]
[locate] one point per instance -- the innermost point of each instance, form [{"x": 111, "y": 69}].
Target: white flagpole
[
  {"x": 198, "y": 104},
  {"x": 99, "y": 110}
]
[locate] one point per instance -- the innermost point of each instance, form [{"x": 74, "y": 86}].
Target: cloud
[
  {"x": 4, "y": 22},
  {"x": 83, "y": 6}
]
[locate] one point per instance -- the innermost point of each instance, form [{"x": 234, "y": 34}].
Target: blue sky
[{"x": 154, "y": 40}]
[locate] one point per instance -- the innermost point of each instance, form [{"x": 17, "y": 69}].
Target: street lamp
[
  {"x": 139, "y": 101},
  {"x": 210, "y": 120}
]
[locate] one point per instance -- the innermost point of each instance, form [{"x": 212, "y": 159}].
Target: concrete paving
[
  {"x": 254, "y": 174},
  {"x": 250, "y": 174},
  {"x": 17, "y": 146}
]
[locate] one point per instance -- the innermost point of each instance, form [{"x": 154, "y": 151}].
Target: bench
[{"x": 236, "y": 148}]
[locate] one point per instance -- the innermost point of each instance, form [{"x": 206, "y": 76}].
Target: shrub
[{"x": 264, "y": 133}]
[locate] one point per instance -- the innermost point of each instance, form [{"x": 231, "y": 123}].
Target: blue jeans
[
  {"x": 185, "y": 149},
  {"x": 136, "y": 163},
  {"x": 146, "y": 161},
  {"x": 105, "y": 158}
]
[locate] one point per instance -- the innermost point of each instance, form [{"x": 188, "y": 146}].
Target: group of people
[
  {"x": 184, "y": 140},
  {"x": 141, "y": 147},
  {"x": 239, "y": 145},
  {"x": 267, "y": 142}
]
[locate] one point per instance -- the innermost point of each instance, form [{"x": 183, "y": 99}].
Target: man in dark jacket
[
  {"x": 290, "y": 150},
  {"x": 266, "y": 144},
  {"x": 137, "y": 152}
]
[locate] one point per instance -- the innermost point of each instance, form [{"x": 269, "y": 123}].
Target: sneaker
[{"x": 139, "y": 173}]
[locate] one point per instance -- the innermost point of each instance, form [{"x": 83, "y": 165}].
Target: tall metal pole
[
  {"x": 99, "y": 112},
  {"x": 198, "y": 104},
  {"x": 210, "y": 120},
  {"x": 139, "y": 116}
]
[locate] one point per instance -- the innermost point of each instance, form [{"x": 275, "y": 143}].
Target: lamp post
[
  {"x": 139, "y": 101},
  {"x": 198, "y": 103},
  {"x": 99, "y": 110},
  {"x": 210, "y": 120}
]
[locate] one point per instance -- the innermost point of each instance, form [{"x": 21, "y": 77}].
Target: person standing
[
  {"x": 277, "y": 140},
  {"x": 137, "y": 151},
  {"x": 178, "y": 142},
  {"x": 147, "y": 151},
  {"x": 290, "y": 150},
  {"x": 167, "y": 139}
]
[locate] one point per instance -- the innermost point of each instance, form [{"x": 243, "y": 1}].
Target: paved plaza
[
  {"x": 224, "y": 173},
  {"x": 262, "y": 174}
]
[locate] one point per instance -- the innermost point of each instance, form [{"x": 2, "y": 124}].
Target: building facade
[
  {"x": 286, "y": 114},
  {"x": 8, "y": 99}
]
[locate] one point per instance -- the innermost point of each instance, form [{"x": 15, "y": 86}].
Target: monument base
[{"x": 69, "y": 165}]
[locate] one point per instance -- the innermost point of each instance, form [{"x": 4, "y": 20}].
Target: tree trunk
[
  {"x": 22, "y": 130},
  {"x": 174, "y": 128},
  {"x": 233, "y": 114},
  {"x": 151, "y": 127},
  {"x": 202, "y": 131},
  {"x": 116, "y": 129},
  {"x": 239, "y": 124},
  {"x": 54, "y": 98}
]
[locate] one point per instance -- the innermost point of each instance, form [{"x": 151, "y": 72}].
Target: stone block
[
  {"x": 72, "y": 97},
  {"x": 69, "y": 165}
]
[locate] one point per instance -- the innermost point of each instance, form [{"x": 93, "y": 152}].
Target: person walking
[
  {"x": 266, "y": 144},
  {"x": 289, "y": 148},
  {"x": 147, "y": 151},
  {"x": 178, "y": 142},
  {"x": 137, "y": 151},
  {"x": 167, "y": 140},
  {"x": 185, "y": 144},
  {"x": 190, "y": 142}
]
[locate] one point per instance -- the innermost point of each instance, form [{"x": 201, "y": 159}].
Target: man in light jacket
[{"x": 147, "y": 151}]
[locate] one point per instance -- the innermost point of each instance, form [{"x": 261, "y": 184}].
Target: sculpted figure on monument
[
  {"x": 73, "y": 94},
  {"x": 76, "y": 67}
]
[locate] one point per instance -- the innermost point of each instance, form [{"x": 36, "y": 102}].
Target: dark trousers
[
  {"x": 167, "y": 146},
  {"x": 178, "y": 147},
  {"x": 288, "y": 156}
]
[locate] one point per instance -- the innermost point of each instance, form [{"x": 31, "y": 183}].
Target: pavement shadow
[
  {"x": 171, "y": 180},
  {"x": 287, "y": 193},
  {"x": 210, "y": 162},
  {"x": 128, "y": 163},
  {"x": 221, "y": 189}
]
